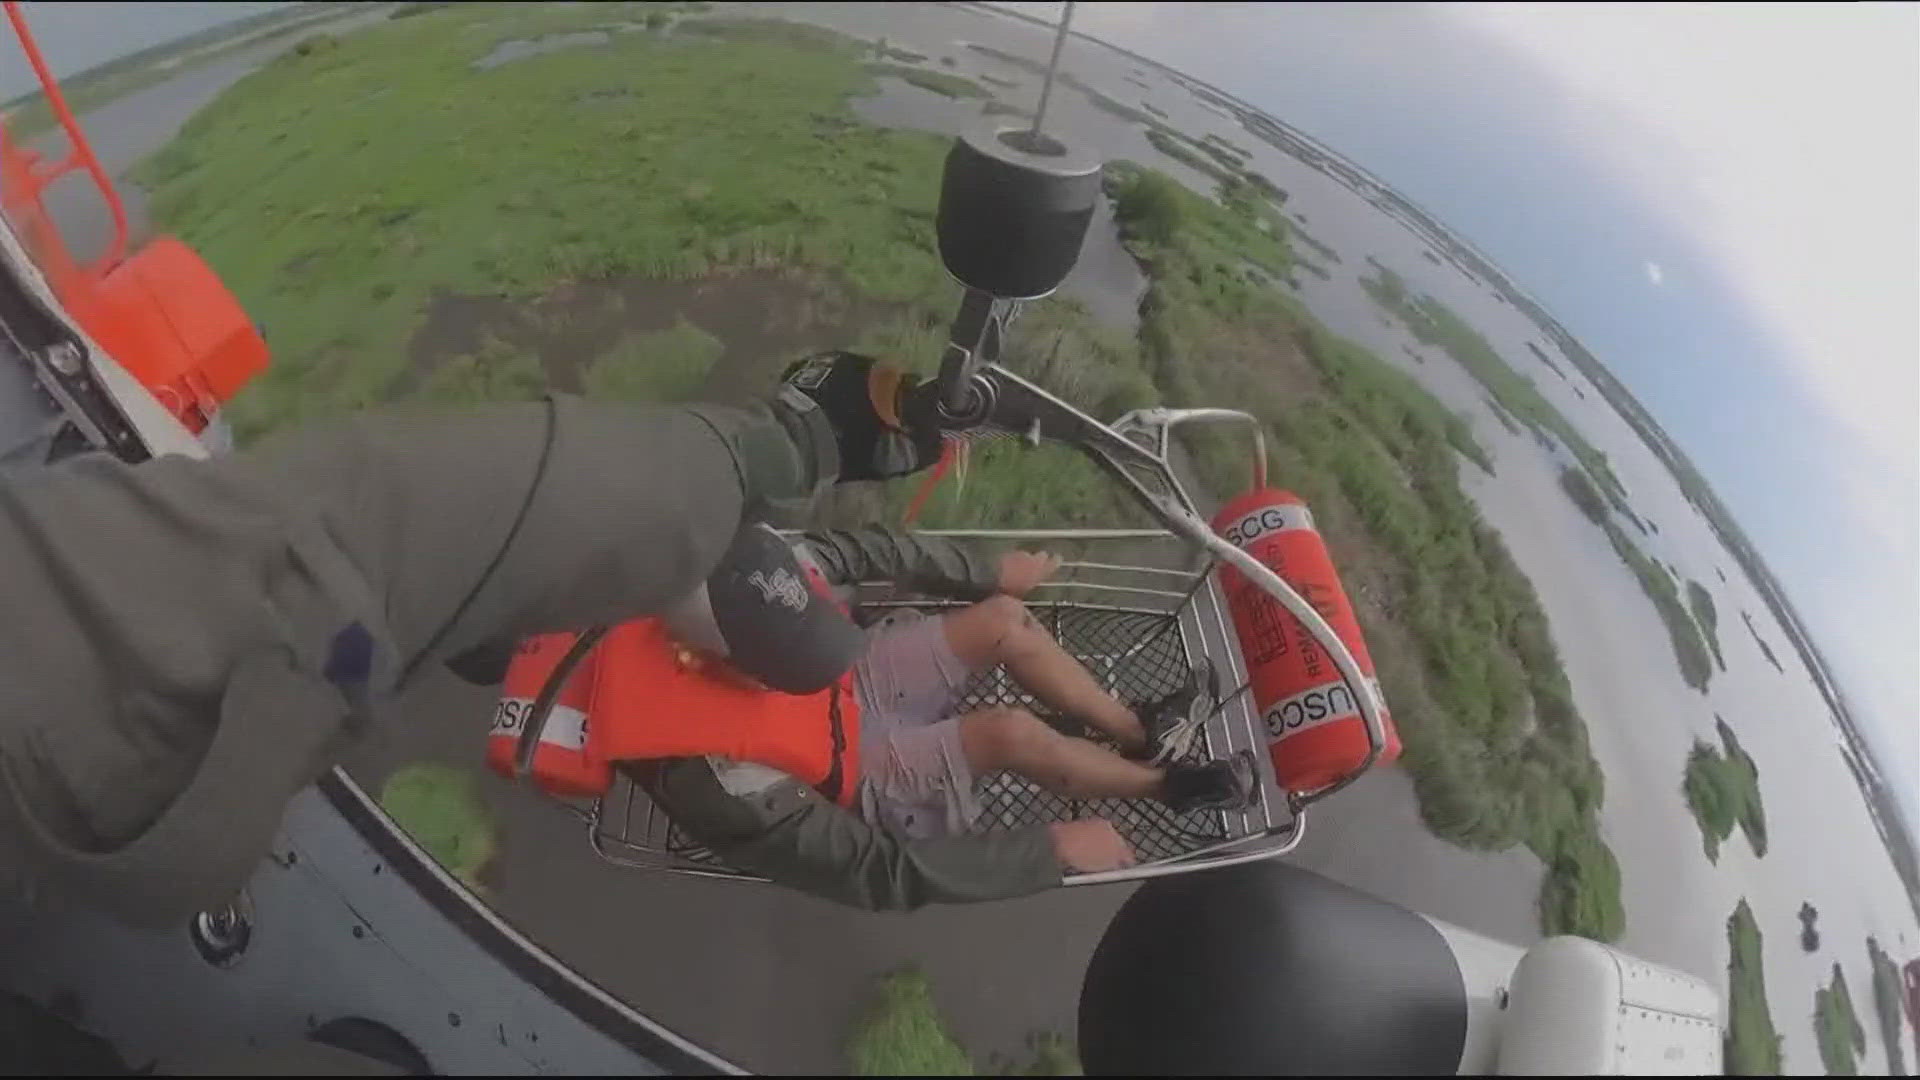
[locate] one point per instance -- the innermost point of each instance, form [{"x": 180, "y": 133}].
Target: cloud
[
  {"x": 1783, "y": 139},
  {"x": 1655, "y": 275}
]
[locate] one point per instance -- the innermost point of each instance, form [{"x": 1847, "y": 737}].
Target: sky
[{"x": 1722, "y": 201}]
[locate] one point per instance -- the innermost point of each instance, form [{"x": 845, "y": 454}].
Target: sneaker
[
  {"x": 1174, "y": 723},
  {"x": 1222, "y": 784}
]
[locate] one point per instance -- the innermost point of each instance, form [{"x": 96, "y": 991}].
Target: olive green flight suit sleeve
[{"x": 188, "y": 642}]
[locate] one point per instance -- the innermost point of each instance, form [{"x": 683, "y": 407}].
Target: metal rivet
[
  {"x": 222, "y": 934},
  {"x": 63, "y": 357}
]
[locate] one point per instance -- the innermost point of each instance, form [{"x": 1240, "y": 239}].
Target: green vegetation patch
[
  {"x": 1031, "y": 67},
  {"x": 440, "y": 807},
  {"x": 1497, "y": 750},
  {"x": 1226, "y": 158},
  {"x": 1053, "y": 1055},
  {"x": 1505, "y": 419},
  {"x": 1228, "y": 145},
  {"x": 1751, "y": 1045},
  {"x": 495, "y": 371},
  {"x": 1319, "y": 247},
  {"x": 1888, "y": 1005},
  {"x": 885, "y": 51},
  {"x": 658, "y": 365},
  {"x": 1185, "y": 151},
  {"x": 1436, "y": 324},
  {"x": 1579, "y": 487},
  {"x": 1581, "y": 892},
  {"x": 398, "y": 191},
  {"x": 1541, "y": 355},
  {"x": 902, "y": 1033},
  {"x": 1278, "y": 195},
  {"x": 417, "y": 8},
  {"x": 1722, "y": 787},
  {"x": 1205, "y": 155},
  {"x": 1839, "y": 1034},
  {"x": 940, "y": 82},
  {"x": 1707, "y": 618},
  {"x": 1690, "y": 649},
  {"x": 353, "y": 243}
]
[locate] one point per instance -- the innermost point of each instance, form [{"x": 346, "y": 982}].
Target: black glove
[{"x": 882, "y": 419}]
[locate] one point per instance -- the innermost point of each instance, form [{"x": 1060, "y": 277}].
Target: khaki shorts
[{"x": 915, "y": 780}]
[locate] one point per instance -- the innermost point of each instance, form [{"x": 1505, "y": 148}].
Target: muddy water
[{"x": 772, "y": 979}]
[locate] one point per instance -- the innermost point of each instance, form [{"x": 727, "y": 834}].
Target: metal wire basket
[{"x": 1133, "y": 608}]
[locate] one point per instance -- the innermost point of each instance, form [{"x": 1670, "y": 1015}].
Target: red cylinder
[
  {"x": 1315, "y": 734},
  {"x": 566, "y": 762}
]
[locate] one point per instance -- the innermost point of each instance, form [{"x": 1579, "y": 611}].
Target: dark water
[{"x": 773, "y": 978}]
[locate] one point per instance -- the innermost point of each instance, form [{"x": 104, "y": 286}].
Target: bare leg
[
  {"x": 1020, "y": 742},
  {"x": 1000, "y": 630}
]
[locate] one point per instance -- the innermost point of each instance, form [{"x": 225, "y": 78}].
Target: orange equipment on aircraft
[{"x": 160, "y": 312}]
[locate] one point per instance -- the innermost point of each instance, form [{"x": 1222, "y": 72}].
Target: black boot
[
  {"x": 1174, "y": 723},
  {"x": 1223, "y": 784}
]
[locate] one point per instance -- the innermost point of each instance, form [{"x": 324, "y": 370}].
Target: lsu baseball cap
[{"x": 769, "y": 616}]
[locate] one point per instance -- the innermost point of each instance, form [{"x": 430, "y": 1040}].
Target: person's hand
[
  {"x": 1021, "y": 571},
  {"x": 1090, "y": 846},
  {"x": 878, "y": 415}
]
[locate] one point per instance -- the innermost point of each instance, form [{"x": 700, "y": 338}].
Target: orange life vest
[
  {"x": 655, "y": 699},
  {"x": 563, "y": 763},
  {"x": 639, "y": 695}
]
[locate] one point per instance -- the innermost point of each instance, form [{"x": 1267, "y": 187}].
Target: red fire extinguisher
[
  {"x": 1315, "y": 733},
  {"x": 566, "y": 762}
]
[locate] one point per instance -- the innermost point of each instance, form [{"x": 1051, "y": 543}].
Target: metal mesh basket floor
[{"x": 1139, "y": 657}]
